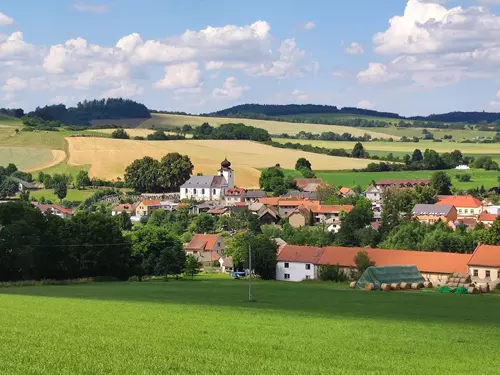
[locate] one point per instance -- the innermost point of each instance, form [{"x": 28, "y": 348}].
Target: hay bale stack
[
  {"x": 452, "y": 285},
  {"x": 369, "y": 286},
  {"x": 472, "y": 290},
  {"x": 484, "y": 288},
  {"x": 417, "y": 286},
  {"x": 463, "y": 280},
  {"x": 428, "y": 284},
  {"x": 352, "y": 285},
  {"x": 395, "y": 286},
  {"x": 385, "y": 287},
  {"x": 467, "y": 286},
  {"x": 460, "y": 285},
  {"x": 404, "y": 285}
]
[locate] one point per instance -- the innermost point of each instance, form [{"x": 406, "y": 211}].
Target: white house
[
  {"x": 298, "y": 263},
  {"x": 484, "y": 265},
  {"x": 209, "y": 188}
]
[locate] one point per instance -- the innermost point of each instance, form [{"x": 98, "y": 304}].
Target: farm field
[
  {"x": 130, "y": 132},
  {"x": 350, "y": 179},
  {"x": 176, "y": 328},
  {"x": 109, "y": 157},
  {"x": 438, "y": 133},
  {"x": 31, "y": 159},
  {"x": 273, "y": 127},
  {"x": 333, "y": 116}
]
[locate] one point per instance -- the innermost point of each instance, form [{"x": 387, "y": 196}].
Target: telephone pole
[{"x": 250, "y": 299}]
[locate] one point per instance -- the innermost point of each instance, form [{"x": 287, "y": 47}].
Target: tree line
[{"x": 228, "y": 131}]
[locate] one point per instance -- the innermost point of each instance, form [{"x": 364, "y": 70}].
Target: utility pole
[{"x": 250, "y": 274}]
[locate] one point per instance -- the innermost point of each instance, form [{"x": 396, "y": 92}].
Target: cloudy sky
[{"x": 411, "y": 57}]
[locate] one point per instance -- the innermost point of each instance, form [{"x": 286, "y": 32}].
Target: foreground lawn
[{"x": 208, "y": 327}]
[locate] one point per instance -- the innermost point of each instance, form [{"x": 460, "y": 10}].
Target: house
[
  {"x": 146, "y": 207},
  {"x": 324, "y": 213},
  {"x": 374, "y": 194},
  {"x": 311, "y": 195},
  {"x": 484, "y": 264},
  {"x": 268, "y": 215},
  {"x": 308, "y": 183},
  {"x": 297, "y": 263},
  {"x": 218, "y": 211},
  {"x": 127, "y": 208},
  {"x": 233, "y": 196},
  {"x": 300, "y": 217},
  {"x": 54, "y": 209},
  {"x": 251, "y": 196},
  {"x": 347, "y": 192},
  {"x": 492, "y": 209},
  {"x": 466, "y": 205},
  {"x": 269, "y": 201},
  {"x": 487, "y": 219},
  {"x": 24, "y": 185},
  {"x": 226, "y": 264},
  {"x": 205, "y": 242},
  {"x": 431, "y": 213},
  {"x": 286, "y": 207},
  {"x": 208, "y": 258},
  {"x": 209, "y": 188}
]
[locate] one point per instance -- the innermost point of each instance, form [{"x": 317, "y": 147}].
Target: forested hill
[
  {"x": 86, "y": 111},
  {"x": 469, "y": 117},
  {"x": 272, "y": 110}
]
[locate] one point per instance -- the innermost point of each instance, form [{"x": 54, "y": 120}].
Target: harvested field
[
  {"x": 31, "y": 159},
  {"x": 273, "y": 127},
  {"x": 109, "y": 157}
]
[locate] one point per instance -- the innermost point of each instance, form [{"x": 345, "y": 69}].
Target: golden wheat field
[
  {"x": 159, "y": 120},
  {"x": 109, "y": 157},
  {"x": 130, "y": 132}
]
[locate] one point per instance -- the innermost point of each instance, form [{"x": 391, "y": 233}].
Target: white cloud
[
  {"x": 63, "y": 99},
  {"x": 91, "y": 7},
  {"x": 124, "y": 90},
  {"x": 5, "y": 20},
  {"x": 376, "y": 73},
  {"x": 365, "y": 104},
  {"x": 310, "y": 25},
  {"x": 15, "y": 84},
  {"x": 339, "y": 74},
  {"x": 13, "y": 47},
  {"x": 355, "y": 49},
  {"x": 180, "y": 75},
  {"x": 231, "y": 90},
  {"x": 300, "y": 95}
]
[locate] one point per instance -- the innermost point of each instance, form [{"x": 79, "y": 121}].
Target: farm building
[
  {"x": 484, "y": 264},
  {"x": 431, "y": 213},
  {"x": 24, "y": 185}
]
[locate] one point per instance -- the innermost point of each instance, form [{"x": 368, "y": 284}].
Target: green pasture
[
  {"x": 74, "y": 195},
  {"x": 207, "y": 326},
  {"x": 438, "y": 133},
  {"x": 334, "y": 116},
  {"x": 25, "y": 158}
]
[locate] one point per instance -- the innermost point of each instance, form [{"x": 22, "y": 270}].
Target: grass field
[
  {"x": 30, "y": 159},
  {"x": 208, "y": 327},
  {"x": 74, "y": 195},
  {"x": 273, "y": 127},
  {"x": 350, "y": 179},
  {"x": 438, "y": 133},
  {"x": 109, "y": 157},
  {"x": 333, "y": 116}
]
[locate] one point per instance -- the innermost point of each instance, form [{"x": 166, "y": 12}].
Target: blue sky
[{"x": 411, "y": 57}]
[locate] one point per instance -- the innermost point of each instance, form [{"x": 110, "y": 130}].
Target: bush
[
  {"x": 464, "y": 177},
  {"x": 120, "y": 134},
  {"x": 332, "y": 273}
]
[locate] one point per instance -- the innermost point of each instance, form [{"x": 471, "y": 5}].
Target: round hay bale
[
  {"x": 428, "y": 284},
  {"x": 472, "y": 290},
  {"x": 467, "y": 286},
  {"x": 395, "y": 286},
  {"x": 369, "y": 286},
  {"x": 404, "y": 285},
  {"x": 416, "y": 286},
  {"x": 385, "y": 287},
  {"x": 452, "y": 285},
  {"x": 460, "y": 285},
  {"x": 352, "y": 285},
  {"x": 463, "y": 280}
]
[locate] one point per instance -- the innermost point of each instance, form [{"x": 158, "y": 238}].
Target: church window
[
  {"x": 202, "y": 191},
  {"x": 194, "y": 191}
]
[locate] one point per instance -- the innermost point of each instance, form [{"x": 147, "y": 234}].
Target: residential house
[
  {"x": 268, "y": 215},
  {"x": 432, "y": 213},
  {"x": 205, "y": 242},
  {"x": 251, "y": 196},
  {"x": 466, "y": 205},
  {"x": 374, "y": 194},
  {"x": 54, "y": 209},
  {"x": 203, "y": 208},
  {"x": 128, "y": 208},
  {"x": 209, "y": 188},
  {"x": 308, "y": 184},
  {"x": 487, "y": 219},
  {"x": 208, "y": 258},
  {"x": 297, "y": 263},
  {"x": 24, "y": 185},
  {"x": 300, "y": 217},
  {"x": 286, "y": 207},
  {"x": 233, "y": 196},
  {"x": 347, "y": 192},
  {"x": 146, "y": 207},
  {"x": 269, "y": 201},
  {"x": 484, "y": 265},
  {"x": 325, "y": 213},
  {"x": 226, "y": 264}
]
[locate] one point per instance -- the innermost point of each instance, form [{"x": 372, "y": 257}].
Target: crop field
[
  {"x": 109, "y": 157},
  {"x": 31, "y": 159},
  {"x": 273, "y": 127},
  {"x": 333, "y": 116},
  {"x": 130, "y": 132},
  {"x": 350, "y": 179},
  {"x": 206, "y": 326}
]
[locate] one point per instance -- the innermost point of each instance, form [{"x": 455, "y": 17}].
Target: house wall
[
  {"x": 373, "y": 195},
  {"x": 297, "y": 271},
  {"x": 469, "y": 211},
  {"x": 219, "y": 246},
  {"x": 201, "y": 194},
  {"x": 297, "y": 220},
  {"x": 232, "y": 200},
  {"x": 494, "y": 272},
  {"x": 286, "y": 210}
]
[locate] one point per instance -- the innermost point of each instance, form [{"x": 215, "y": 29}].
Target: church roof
[{"x": 199, "y": 182}]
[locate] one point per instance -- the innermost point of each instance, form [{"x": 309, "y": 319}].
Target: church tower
[{"x": 226, "y": 171}]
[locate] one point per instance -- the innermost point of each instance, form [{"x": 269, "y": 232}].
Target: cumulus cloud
[
  {"x": 355, "y": 49},
  {"x": 5, "y": 20},
  {"x": 179, "y": 76},
  {"x": 339, "y": 74},
  {"x": 123, "y": 90},
  {"x": 365, "y": 104},
  {"x": 231, "y": 90},
  {"x": 91, "y": 7},
  {"x": 300, "y": 95},
  {"x": 15, "y": 84},
  {"x": 376, "y": 73},
  {"x": 310, "y": 25}
]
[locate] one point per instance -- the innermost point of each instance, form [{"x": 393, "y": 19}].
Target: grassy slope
[
  {"x": 208, "y": 327},
  {"x": 333, "y": 116},
  {"x": 479, "y": 177},
  {"x": 438, "y": 133},
  {"x": 74, "y": 195}
]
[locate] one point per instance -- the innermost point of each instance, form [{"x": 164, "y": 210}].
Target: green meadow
[{"x": 207, "y": 326}]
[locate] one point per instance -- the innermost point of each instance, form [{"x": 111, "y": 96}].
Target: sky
[{"x": 412, "y": 57}]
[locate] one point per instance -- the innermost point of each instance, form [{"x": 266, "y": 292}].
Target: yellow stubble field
[{"x": 109, "y": 157}]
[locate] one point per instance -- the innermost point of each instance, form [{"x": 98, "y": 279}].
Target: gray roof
[
  {"x": 198, "y": 182},
  {"x": 26, "y": 184},
  {"x": 432, "y": 209},
  {"x": 255, "y": 194},
  {"x": 218, "y": 181}
]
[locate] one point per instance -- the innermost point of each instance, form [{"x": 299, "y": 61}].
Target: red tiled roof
[
  {"x": 345, "y": 190},
  {"x": 302, "y": 210},
  {"x": 300, "y": 254},
  {"x": 217, "y": 211},
  {"x": 125, "y": 207},
  {"x": 332, "y": 209},
  {"x": 485, "y": 216},
  {"x": 241, "y": 204},
  {"x": 486, "y": 255},
  {"x": 462, "y": 201},
  {"x": 203, "y": 242},
  {"x": 272, "y": 201},
  {"x": 65, "y": 211},
  {"x": 297, "y": 203},
  {"x": 151, "y": 202},
  {"x": 303, "y": 182},
  {"x": 234, "y": 192}
]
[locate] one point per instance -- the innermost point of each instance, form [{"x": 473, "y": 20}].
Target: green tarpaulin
[{"x": 389, "y": 275}]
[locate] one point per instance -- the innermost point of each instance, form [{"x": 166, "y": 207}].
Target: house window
[
  {"x": 308, "y": 266},
  {"x": 194, "y": 191},
  {"x": 466, "y": 211},
  {"x": 218, "y": 243},
  {"x": 476, "y": 273},
  {"x": 460, "y": 210},
  {"x": 487, "y": 273},
  {"x": 308, "y": 277},
  {"x": 287, "y": 276},
  {"x": 214, "y": 192},
  {"x": 287, "y": 265}
]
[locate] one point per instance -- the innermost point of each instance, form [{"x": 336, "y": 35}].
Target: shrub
[{"x": 332, "y": 273}]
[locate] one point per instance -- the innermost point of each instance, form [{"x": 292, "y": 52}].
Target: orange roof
[
  {"x": 125, "y": 207},
  {"x": 345, "y": 190},
  {"x": 241, "y": 204},
  {"x": 300, "y": 254},
  {"x": 151, "y": 202},
  {"x": 462, "y": 201},
  {"x": 332, "y": 209},
  {"x": 302, "y": 210},
  {"x": 297, "y": 203},
  {"x": 433, "y": 262},
  {"x": 486, "y": 255},
  {"x": 303, "y": 182},
  {"x": 485, "y": 216},
  {"x": 65, "y": 211},
  {"x": 203, "y": 242},
  {"x": 273, "y": 201}
]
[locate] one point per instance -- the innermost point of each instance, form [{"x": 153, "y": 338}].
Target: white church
[{"x": 209, "y": 188}]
